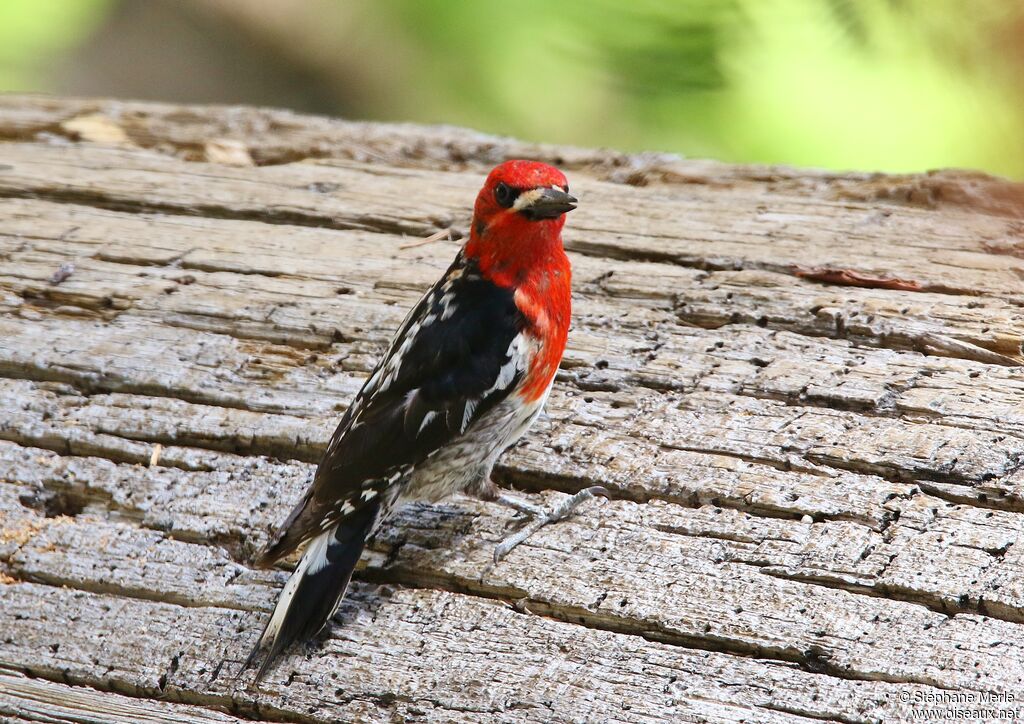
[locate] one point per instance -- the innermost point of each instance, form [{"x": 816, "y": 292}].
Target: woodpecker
[{"x": 465, "y": 375}]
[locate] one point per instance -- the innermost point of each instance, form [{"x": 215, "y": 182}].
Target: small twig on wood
[
  {"x": 155, "y": 457},
  {"x": 931, "y": 343},
  {"x": 445, "y": 234},
  {"x": 851, "y": 278}
]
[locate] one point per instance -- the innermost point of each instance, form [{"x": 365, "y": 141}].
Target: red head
[
  {"x": 516, "y": 239},
  {"x": 518, "y": 219}
]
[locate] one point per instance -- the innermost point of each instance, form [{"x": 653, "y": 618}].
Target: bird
[{"x": 466, "y": 374}]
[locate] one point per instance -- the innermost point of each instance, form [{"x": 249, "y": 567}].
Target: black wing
[{"x": 457, "y": 354}]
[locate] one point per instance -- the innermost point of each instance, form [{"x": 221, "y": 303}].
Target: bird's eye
[{"x": 504, "y": 195}]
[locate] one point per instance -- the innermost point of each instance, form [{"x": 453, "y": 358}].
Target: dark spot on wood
[
  {"x": 53, "y": 504},
  {"x": 323, "y": 187}
]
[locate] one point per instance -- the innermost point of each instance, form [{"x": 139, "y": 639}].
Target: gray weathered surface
[{"x": 817, "y": 489}]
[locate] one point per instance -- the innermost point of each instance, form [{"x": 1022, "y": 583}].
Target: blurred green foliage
[
  {"x": 32, "y": 32},
  {"x": 895, "y": 85}
]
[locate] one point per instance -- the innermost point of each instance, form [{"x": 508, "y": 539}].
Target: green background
[{"x": 894, "y": 85}]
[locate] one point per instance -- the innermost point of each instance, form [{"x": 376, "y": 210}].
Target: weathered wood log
[{"x": 802, "y": 389}]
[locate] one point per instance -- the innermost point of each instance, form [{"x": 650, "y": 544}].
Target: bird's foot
[{"x": 540, "y": 516}]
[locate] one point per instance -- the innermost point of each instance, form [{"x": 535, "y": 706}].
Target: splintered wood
[{"x": 802, "y": 390}]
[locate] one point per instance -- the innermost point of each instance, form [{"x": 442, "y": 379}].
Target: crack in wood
[{"x": 266, "y": 215}]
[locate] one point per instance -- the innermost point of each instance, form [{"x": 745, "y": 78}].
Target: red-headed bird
[{"x": 464, "y": 377}]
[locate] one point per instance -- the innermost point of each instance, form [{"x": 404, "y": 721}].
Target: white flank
[{"x": 516, "y": 361}]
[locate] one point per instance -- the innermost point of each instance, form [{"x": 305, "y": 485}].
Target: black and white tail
[{"x": 313, "y": 593}]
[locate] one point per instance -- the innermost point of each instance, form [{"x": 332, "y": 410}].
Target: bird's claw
[{"x": 542, "y": 517}]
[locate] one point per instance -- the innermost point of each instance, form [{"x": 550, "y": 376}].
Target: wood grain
[{"x": 817, "y": 489}]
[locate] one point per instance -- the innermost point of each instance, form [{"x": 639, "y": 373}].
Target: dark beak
[{"x": 550, "y": 203}]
